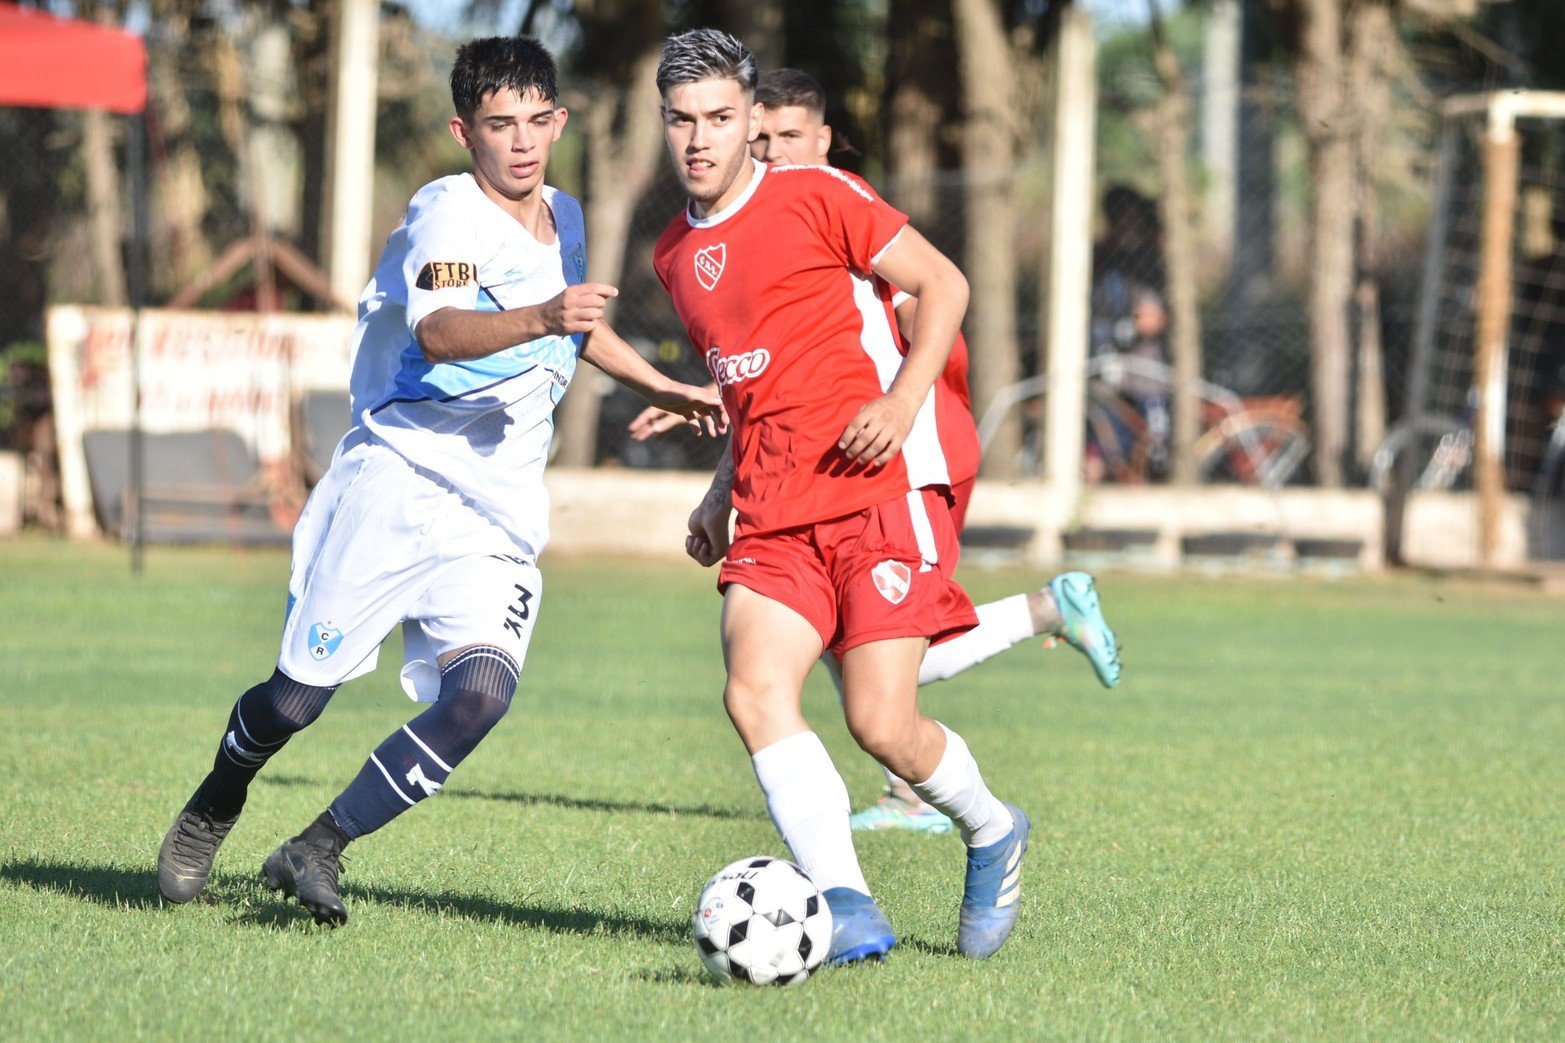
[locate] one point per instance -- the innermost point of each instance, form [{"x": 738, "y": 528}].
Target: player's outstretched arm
[
  {"x": 912, "y": 264},
  {"x": 709, "y": 522},
  {"x": 652, "y": 422},
  {"x": 702, "y": 407},
  {"x": 461, "y": 334}
]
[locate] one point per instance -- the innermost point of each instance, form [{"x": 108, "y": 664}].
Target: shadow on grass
[
  {"x": 552, "y": 800},
  {"x": 927, "y": 947},
  {"x": 136, "y": 889},
  {"x": 679, "y": 976},
  {"x": 277, "y": 912},
  {"x": 101, "y": 884}
]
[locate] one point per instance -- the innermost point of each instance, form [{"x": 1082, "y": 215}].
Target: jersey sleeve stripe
[{"x": 882, "y": 251}]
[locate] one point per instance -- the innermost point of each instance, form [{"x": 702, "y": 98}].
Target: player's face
[
  {"x": 708, "y": 126},
  {"x": 792, "y": 135},
  {"x": 510, "y": 136}
]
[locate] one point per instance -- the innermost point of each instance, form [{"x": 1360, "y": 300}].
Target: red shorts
[
  {"x": 961, "y": 496},
  {"x": 883, "y": 572}
]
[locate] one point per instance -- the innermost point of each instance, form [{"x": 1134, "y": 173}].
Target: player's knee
[
  {"x": 886, "y": 737},
  {"x": 477, "y": 687},
  {"x": 289, "y": 706},
  {"x": 754, "y": 705}
]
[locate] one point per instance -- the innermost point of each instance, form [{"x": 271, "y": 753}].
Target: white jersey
[{"x": 482, "y": 427}]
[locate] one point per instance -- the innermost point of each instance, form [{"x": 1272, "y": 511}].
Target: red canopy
[{"x": 62, "y": 63}]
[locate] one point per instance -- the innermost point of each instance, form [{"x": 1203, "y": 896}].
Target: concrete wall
[
  {"x": 643, "y": 513},
  {"x": 12, "y": 476},
  {"x": 1440, "y": 531}
]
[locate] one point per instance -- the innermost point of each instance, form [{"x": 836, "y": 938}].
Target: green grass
[{"x": 1311, "y": 810}]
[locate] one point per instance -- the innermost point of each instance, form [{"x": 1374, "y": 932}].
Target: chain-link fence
[
  {"x": 1252, "y": 252},
  {"x": 1535, "y": 341}
]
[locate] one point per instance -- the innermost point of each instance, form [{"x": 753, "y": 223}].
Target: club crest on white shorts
[{"x": 324, "y": 639}]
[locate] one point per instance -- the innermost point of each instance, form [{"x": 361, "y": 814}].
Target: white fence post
[
  {"x": 350, "y": 174},
  {"x": 1069, "y": 289}
]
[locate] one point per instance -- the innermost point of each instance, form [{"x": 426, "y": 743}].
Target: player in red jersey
[
  {"x": 844, "y": 539},
  {"x": 794, "y": 132}
]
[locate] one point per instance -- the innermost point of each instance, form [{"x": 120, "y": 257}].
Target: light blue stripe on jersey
[{"x": 420, "y": 380}]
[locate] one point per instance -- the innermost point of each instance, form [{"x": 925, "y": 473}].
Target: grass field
[{"x": 1311, "y": 810}]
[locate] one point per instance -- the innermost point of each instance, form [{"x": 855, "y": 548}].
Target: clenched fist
[{"x": 578, "y": 308}]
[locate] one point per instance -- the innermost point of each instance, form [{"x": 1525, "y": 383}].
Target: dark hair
[
  {"x": 705, "y": 54},
  {"x": 497, "y": 63},
  {"x": 781, "y": 88}
]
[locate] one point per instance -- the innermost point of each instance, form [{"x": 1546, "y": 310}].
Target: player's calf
[
  {"x": 476, "y": 688},
  {"x": 414, "y": 762}
]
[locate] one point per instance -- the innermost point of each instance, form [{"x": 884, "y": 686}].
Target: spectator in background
[{"x": 1128, "y": 432}]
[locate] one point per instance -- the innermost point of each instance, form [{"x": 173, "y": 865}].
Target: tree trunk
[
  {"x": 1371, "y": 52},
  {"x": 103, "y": 206},
  {"x": 622, "y": 143},
  {"x": 917, "y": 105},
  {"x": 1172, "y": 142},
  {"x": 759, "y": 23},
  {"x": 988, "y": 158},
  {"x": 1325, "y": 115},
  {"x": 273, "y": 144},
  {"x": 104, "y": 181},
  {"x": 177, "y": 237}
]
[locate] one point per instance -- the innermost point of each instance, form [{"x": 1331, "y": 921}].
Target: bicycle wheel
[{"x": 1252, "y": 448}]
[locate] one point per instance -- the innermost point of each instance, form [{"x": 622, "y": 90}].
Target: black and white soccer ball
[{"x": 762, "y": 920}]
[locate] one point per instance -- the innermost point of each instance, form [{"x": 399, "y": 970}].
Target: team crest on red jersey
[
  {"x": 892, "y": 579},
  {"x": 709, "y": 264}
]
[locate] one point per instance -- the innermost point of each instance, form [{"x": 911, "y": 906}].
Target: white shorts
[{"x": 381, "y": 542}]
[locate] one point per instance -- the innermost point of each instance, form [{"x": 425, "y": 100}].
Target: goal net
[{"x": 1501, "y": 172}]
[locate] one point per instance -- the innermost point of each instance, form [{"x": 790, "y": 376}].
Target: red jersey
[
  {"x": 954, "y": 411},
  {"x": 778, "y": 295},
  {"x": 958, "y": 429}
]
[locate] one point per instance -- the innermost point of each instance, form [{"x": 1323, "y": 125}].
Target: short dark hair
[
  {"x": 706, "y": 54},
  {"x": 497, "y": 63},
  {"x": 782, "y": 88}
]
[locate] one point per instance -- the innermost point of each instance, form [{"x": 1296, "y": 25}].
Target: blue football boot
[
  {"x": 1084, "y": 626},
  {"x": 992, "y": 897},
  {"x": 859, "y": 930}
]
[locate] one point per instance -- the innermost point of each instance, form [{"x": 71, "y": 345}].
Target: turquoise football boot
[
  {"x": 1084, "y": 626},
  {"x": 891, "y": 812}
]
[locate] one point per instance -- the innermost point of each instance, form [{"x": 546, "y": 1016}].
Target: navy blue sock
[
  {"x": 414, "y": 762},
  {"x": 263, "y": 719}
]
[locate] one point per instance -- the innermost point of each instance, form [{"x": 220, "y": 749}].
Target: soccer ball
[{"x": 763, "y": 921}]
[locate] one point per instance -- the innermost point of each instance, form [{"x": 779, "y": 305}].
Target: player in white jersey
[{"x": 433, "y": 511}]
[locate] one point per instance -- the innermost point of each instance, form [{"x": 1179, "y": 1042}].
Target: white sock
[
  {"x": 808, "y": 803},
  {"x": 1001, "y": 624},
  {"x": 958, "y": 790}
]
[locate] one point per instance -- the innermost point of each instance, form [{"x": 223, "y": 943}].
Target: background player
[
  {"x": 793, "y": 132},
  {"x": 844, "y": 537},
  {"x": 433, "y": 511}
]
